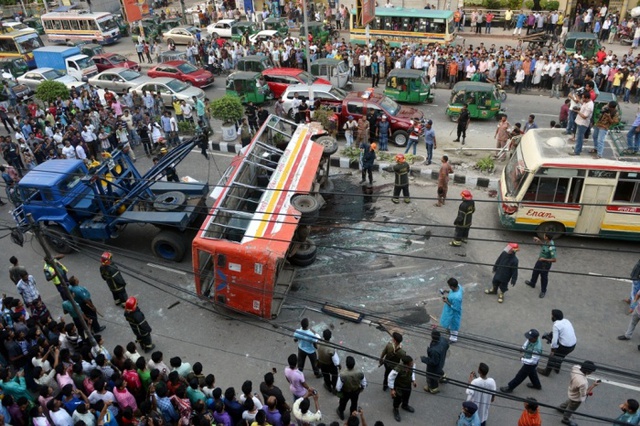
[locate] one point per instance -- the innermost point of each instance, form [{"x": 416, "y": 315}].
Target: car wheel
[{"x": 400, "y": 138}]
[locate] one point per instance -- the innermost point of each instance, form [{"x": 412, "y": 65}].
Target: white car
[
  {"x": 183, "y": 34},
  {"x": 328, "y": 94},
  {"x": 35, "y": 77},
  {"x": 222, "y": 28},
  {"x": 169, "y": 88},
  {"x": 266, "y": 36}
]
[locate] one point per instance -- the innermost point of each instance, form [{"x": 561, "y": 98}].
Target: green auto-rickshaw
[
  {"x": 123, "y": 26},
  {"x": 249, "y": 87},
  {"x": 91, "y": 49},
  {"x": 333, "y": 70},
  {"x": 408, "y": 85},
  {"x": 239, "y": 28},
  {"x": 482, "y": 99},
  {"x": 320, "y": 33},
  {"x": 16, "y": 67},
  {"x": 150, "y": 28},
  {"x": 585, "y": 44},
  {"x": 34, "y": 23},
  {"x": 276, "y": 24},
  {"x": 255, "y": 63},
  {"x": 168, "y": 24}
]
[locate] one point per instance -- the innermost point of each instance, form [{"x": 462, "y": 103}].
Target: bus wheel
[
  {"x": 328, "y": 189},
  {"x": 330, "y": 145},
  {"x": 305, "y": 254},
  {"x": 168, "y": 245},
  {"x": 308, "y": 206},
  {"x": 555, "y": 229},
  {"x": 59, "y": 239}
]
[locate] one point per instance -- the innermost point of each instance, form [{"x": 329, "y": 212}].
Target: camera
[
  {"x": 443, "y": 291},
  {"x": 548, "y": 337},
  {"x": 314, "y": 392},
  {"x": 580, "y": 91}
]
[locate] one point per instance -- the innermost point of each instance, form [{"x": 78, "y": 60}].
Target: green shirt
[
  {"x": 145, "y": 378},
  {"x": 548, "y": 250},
  {"x": 67, "y": 307}
]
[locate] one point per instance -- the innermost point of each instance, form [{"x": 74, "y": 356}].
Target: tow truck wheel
[
  {"x": 59, "y": 239},
  {"x": 330, "y": 145},
  {"x": 168, "y": 245},
  {"x": 308, "y": 206},
  {"x": 400, "y": 137}
]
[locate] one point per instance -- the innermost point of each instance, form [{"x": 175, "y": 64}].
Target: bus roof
[
  {"x": 413, "y": 13},
  {"x": 74, "y": 14},
  {"x": 18, "y": 33},
  {"x": 551, "y": 147}
]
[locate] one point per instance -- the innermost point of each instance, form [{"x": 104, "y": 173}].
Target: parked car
[
  {"x": 183, "y": 71},
  {"x": 118, "y": 79},
  {"x": 279, "y": 79},
  {"x": 222, "y": 28},
  {"x": 266, "y": 36},
  {"x": 114, "y": 60},
  {"x": 184, "y": 34},
  {"x": 328, "y": 95},
  {"x": 168, "y": 88},
  {"x": 35, "y": 77},
  {"x": 22, "y": 91}
]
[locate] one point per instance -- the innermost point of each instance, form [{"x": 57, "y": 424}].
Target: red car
[
  {"x": 183, "y": 71},
  {"x": 114, "y": 60},
  {"x": 279, "y": 79}
]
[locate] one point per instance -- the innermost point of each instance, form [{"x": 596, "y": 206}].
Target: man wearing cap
[
  {"x": 543, "y": 264},
  {"x": 111, "y": 274},
  {"x": 578, "y": 390},
  {"x": 463, "y": 221},
  {"x": 463, "y": 123},
  {"x": 401, "y": 379},
  {"x": 563, "y": 342},
  {"x": 469, "y": 415},
  {"x": 435, "y": 359},
  {"x": 383, "y": 132},
  {"x": 532, "y": 349},
  {"x": 504, "y": 270},
  {"x": 608, "y": 118},
  {"x": 349, "y": 127},
  {"x": 391, "y": 356}
]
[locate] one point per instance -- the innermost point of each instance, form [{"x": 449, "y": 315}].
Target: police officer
[
  {"x": 138, "y": 323},
  {"x": 50, "y": 274},
  {"x": 328, "y": 361},
  {"x": 463, "y": 221},
  {"x": 463, "y": 123},
  {"x": 111, "y": 274},
  {"x": 383, "y": 132},
  {"x": 400, "y": 380},
  {"x": 351, "y": 382},
  {"x": 391, "y": 356}
]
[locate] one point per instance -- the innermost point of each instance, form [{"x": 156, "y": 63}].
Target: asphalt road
[{"x": 386, "y": 261}]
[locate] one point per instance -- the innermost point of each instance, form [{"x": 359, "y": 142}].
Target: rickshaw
[
  {"x": 240, "y": 27},
  {"x": 123, "y": 26},
  {"x": 482, "y": 99},
  {"x": 150, "y": 30},
  {"x": 249, "y": 87},
  {"x": 255, "y": 63},
  {"x": 15, "y": 67},
  {"x": 173, "y": 55},
  {"x": 333, "y": 70},
  {"x": 408, "y": 85},
  {"x": 585, "y": 44},
  {"x": 319, "y": 32},
  {"x": 276, "y": 24},
  {"x": 34, "y": 23},
  {"x": 602, "y": 101}
]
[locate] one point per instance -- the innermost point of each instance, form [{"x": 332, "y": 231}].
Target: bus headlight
[{"x": 509, "y": 208}]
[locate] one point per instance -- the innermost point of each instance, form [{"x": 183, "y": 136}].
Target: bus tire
[
  {"x": 308, "y": 206},
  {"x": 302, "y": 262},
  {"x": 556, "y": 229},
  {"x": 169, "y": 201},
  {"x": 329, "y": 144},
  {"x": 59, "y": 239},
  {"x": 305, "y": 250},
  {"x": 400, "y": 138},
  {"x": 169, "y": 245}
]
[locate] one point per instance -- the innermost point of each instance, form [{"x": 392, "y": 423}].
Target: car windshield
[
  {"x": 108, "y": 24},
  {"x": 177, "y": 85},
  {"x": 515, "y": 172},
  {"x": 85, "y": 62},
  {"x": 52, "y": 74},
  {"x": 338, "y": 93},
  {"x": 187, "y": 68},
  {"x": 389, "y": 105},
  {"x": 116, "y": 59},
  {"x": 129, "y": 75}
]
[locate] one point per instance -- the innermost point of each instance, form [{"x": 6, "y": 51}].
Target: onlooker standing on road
[
  {"x": 543, "y": 264},
  {"x": 578, "y": 391},
  {"x": 633, "y": 136},
  {"x": 383, "y": 132},
  {"x": 563, "y": 342},
  {"x": 635, "y": 281},
  {"x": 469, "y": 415},
  {"x": 297, "y": 384},
  {"x": 505, "y": 269},
  {"x": 451, "y": 316},
  {"x": 530, "y": 415},
  {"x": 634, "y": 310},
  {"x": 328, "y": 361},
  {"x": 463, "y": 221},
  {"x": 630, "y": 413},
  {"x": 28, "y": 290},
  {"x": 530, "y": 124},
  {"x": 307, "y": 341},
  {"x": 435, "y": 359},
  {"x": 430, "y": 140},
  {"x": 139, "y": 324},
  {"x": 502, "y": 132},
  {"x": 350, "y": 382},
  {"x": 463, "y": 124},
  {"x": 400, "y": 380},
  {"x": 482, "y": 399},
  {"x": 83, "y": 297},
  {"x": 391, "y": 356},
  {"x": 349, "y": 127},
  {"x": 532, "y": 349},
  {"x": 15, "y": 272},
  {"x": 443, "y": 180}
]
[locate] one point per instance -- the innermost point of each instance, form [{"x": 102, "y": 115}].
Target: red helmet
[
  {"x": 514, "y": 246},
  {"x": 466, "y": 194},
  {"x": 400, "y": 158},
  {"x": 131, "y": 304},
  {"x": 105, "y": 259}
]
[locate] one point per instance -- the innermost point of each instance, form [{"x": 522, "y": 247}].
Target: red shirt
[
  {"x": 564, "y": 112},
  {"x": 488, "y": 17},
  {"x": 600, "y": 56}
]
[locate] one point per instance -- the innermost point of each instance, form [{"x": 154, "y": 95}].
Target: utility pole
[
  {"x": 305, "y": 20},
  {"x": 37, "y": 230}
]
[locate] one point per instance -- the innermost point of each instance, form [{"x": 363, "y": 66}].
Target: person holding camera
[
  {"x": 302, "y": 413},
  {"x": 575, "y": 98},
  {"x": 562, "y": 339},
  {"x": 583, "y": 121},
  {"x": 451, "y": 316}
]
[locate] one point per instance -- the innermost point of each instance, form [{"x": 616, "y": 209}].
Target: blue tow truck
[{"x": 74, "y": 202}]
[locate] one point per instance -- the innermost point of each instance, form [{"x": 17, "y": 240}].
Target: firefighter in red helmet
[
  {"x": 463, "y": 221},
  {"x": 138, "y": 323},
  {"x": 111, "y": 274}
]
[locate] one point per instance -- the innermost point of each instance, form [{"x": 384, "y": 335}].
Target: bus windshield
[
  {"x": 107, "y": 24},
  {"x": 29, "y": 42},
  {"x": 515, "y": 172}
]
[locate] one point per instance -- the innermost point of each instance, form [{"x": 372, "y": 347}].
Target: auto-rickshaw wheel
[{"x": 454, "y": 117}]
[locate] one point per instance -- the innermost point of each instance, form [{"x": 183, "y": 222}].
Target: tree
[
  {"x": 228, "y": 108},
  {"x": 48, "y": 91}
]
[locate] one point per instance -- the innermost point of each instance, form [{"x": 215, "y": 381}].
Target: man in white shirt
[
  {"x": 68, "y": 151},
  {"x": 563, "y": 342},
  {"x": 583, "y": 119},
  {"x": 80, "y": 153},
  {"x": 59, "y": 416},
  {"x": 482, "y": 399},
  {"x": 471, "y": 70},
  {"x": 400, "y": 380}
]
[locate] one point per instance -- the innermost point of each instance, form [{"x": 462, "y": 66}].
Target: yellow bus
[
  {"x": 19, "y": 44},
  {"x": 396, "y": 26},
  {"x": 546, "y": 190},
  {"x": 64, "y": 27}
]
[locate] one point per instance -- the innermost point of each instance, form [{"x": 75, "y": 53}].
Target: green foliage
[
  {"x": 322, "y": 116},
  {"x": 491, "y": 4},
  {"x": 512, "y": 4},
  {"x": 229, "y": 109},
  {"x": 486, "y": 164},
  {"x": 473, "y": 3},
  {"x": 48, "y": 91},
  {"x": 528, "y": 4},
  {"x": 552, "y": 5},
  {"x": 186, "y": 127}
]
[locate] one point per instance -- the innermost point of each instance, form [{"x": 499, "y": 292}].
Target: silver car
[
  {"x": 35, "y": 77},
  {"x": 168, "y": 88},
  {"x": 183, "y": 34},
  {"x": 119, "y": 79}
]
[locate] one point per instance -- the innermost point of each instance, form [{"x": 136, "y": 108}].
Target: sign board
[
  {"x": 133, "y": 10},
  {"x": 368, "y": 11}
]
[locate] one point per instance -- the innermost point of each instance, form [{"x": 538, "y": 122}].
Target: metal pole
[
  {"x": 306, "y": 47},
  {"x": 37, "y": 230}
]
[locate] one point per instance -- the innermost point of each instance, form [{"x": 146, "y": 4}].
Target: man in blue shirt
[
  {"x": 633, "y": 137},
  {"x": 630, "y": 413},
  {"x": 430, "y": 139},
  {"x": 307, "y": 340}
]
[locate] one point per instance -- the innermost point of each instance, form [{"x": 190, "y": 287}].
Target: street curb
[{"x": 418, "y": 172}]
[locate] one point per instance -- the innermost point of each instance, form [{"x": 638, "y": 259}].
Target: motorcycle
[
  {"x": 625, "y": 36},
  {"x": 501, "y": 92}
]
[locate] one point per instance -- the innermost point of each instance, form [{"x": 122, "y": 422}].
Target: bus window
[
  {"x": 547, "y": 190},
  {"x": 407, "y": 24},
  {"x": 93, "y": 25},
  {"x": 422, "y": 25},
  {"x": 628, "y": 188},
  {"x": 66, "y": 25},
  {"x": 438, "y": 26},
  {"x": 575, "y": 191},
  {"x": 7, "y": 45}
]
